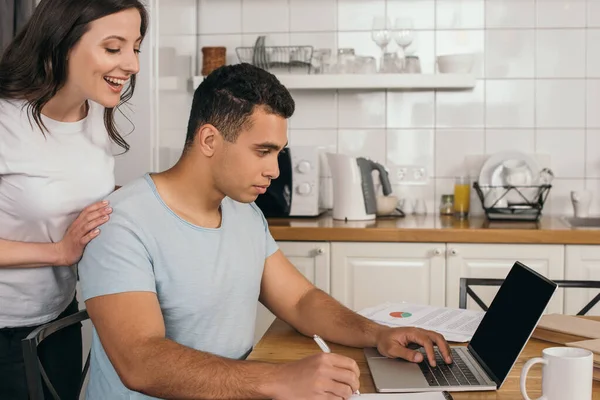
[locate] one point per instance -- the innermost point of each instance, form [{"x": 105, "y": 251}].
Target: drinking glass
[
  {"x": 381, "y": 33},
  {"x": 403, "y": 33},
  {"x": 462, "y": 197},
  {"x": 390, "y": 64}
]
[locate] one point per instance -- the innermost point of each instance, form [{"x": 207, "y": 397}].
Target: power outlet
[{"x": 408, "y": 175}]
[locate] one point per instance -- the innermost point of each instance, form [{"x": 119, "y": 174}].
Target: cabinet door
[
  {"x": 582, "y": 263},
  {"x": 312, "y": 260},
  {"x": 495, "y": 261},
  {"x": 367, "y": 274}
]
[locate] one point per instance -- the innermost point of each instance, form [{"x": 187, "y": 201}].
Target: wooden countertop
[
  {"x": 430, "y": 228},
  {"x": 281, "y": 344}
]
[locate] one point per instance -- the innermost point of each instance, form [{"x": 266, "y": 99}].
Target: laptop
[{"x": 496, "y": 345}]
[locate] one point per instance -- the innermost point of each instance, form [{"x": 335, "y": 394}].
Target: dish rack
[
  {"x": 277, "y": 59},
  {"x": 529, "y": 209}
]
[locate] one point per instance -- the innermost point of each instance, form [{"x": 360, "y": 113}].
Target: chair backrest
[
  {"x": 34, "y": 370},
  {"x": 466, "y": 283}
]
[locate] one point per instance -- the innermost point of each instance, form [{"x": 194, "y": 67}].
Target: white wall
[
  {"x": 538, "y": 87},
  {"x": 137, "y": 119}
]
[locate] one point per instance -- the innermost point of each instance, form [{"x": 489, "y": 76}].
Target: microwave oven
[{"x": 297, "y": 192}]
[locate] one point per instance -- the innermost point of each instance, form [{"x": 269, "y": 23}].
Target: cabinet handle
[
  {"x": 437, "y": 252},
  {"x": 453, "y": 252},
  {"x": 320, "y": 251}
]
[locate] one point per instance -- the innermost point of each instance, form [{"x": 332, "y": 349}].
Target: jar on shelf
[
  {"x": 321, "y": 61},
  {"x": 345, "y": 60},
  {"x": 391, "y": 63},
  {"x": 447, "y": 204},
  {"x": 212, "y": 58}
]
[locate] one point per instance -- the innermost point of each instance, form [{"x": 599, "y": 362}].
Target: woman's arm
[
  {"x": 28, "y": 255},
  {"x": 64, "y": 253}
]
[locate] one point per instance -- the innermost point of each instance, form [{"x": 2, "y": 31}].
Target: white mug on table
[{"x": 566, "y": 374}]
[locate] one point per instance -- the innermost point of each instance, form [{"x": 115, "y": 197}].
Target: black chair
[
  {"x": 33, "y": 367},
  {"x": 466, "y": 283}
]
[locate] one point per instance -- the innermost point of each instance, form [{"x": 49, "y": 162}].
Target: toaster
[{"x": 297, "y": 192}]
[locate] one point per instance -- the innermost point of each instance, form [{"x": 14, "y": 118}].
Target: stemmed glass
[
  {"x": 403, "y": 33},
  {"x": 381, "y": 34}
]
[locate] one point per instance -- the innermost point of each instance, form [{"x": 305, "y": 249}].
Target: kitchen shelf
[{"x": 372, "y": 81}]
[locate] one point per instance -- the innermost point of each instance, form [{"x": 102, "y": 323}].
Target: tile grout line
[
  {"x": 585, "y": 99},
  {"x": 242, "y": 21},
  {"x": 385, "y": 101},
  {"x": 484, "y": 72},
  {"x": 435, "y": 100},
  {"x": 535, "y": 84},
  {"x": 336, "y": 93},
  {"x": 198, "y": 69}
]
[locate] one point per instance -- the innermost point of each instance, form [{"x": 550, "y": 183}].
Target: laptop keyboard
[{"x": 455, "y": 374}]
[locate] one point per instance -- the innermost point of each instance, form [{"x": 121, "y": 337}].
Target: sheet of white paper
[
  {"x": 456, "y": 325},
  {"x": 400, "y": 396}
]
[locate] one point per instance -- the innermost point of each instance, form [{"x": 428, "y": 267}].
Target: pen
[{"x": 323, "y": 346}]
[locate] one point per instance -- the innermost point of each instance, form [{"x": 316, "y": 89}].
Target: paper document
[
  {"x": 457, "y": 325},
  {"x": 571, "y": 325},
  {"x": 405, "y": 396}
]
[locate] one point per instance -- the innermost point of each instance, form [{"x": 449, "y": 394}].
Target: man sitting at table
[{"x": 172, "y": 283}]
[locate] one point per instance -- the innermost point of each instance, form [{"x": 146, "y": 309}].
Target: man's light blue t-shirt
[{"x": 207, "y": 280}]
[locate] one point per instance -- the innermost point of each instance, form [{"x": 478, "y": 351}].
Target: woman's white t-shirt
[{"x": 45, "y": 182}]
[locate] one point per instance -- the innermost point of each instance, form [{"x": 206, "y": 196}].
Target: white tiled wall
[{"x": 538, "y": 87}]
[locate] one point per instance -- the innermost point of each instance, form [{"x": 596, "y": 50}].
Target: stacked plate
[{"x": 509, "y": 179}]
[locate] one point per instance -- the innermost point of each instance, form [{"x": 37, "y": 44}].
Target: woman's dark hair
[
  {"x": 228, "y": 96},
  {"x": 34, "y": 66}
]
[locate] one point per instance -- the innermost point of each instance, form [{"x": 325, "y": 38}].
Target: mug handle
[{"x": 524, "y": 372}]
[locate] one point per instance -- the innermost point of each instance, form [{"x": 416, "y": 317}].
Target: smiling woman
[
  {"x": 68, "y": 49},
  {"x": 61, "y": 80}
]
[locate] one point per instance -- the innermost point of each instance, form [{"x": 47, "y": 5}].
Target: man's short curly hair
[{"x": 228, "y": 96}]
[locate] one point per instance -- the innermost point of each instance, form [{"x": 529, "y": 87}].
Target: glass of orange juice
[{"x": 462, "y": 196}]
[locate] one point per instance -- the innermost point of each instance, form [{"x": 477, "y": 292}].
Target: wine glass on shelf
[
  {"x": 404, "y": 33},
  {"x": 381, "y": 34}
]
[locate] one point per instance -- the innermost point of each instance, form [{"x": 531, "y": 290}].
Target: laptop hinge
[{"x": 485, "y": 367}]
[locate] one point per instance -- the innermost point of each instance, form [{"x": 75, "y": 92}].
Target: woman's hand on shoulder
[{"x": 81, "y": 231}]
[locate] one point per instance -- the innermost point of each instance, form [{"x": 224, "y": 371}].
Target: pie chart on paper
[{"x": 400, "y": 314}]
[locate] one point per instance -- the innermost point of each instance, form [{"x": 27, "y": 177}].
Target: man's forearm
[
  {"x": 166, "y": 369},
  {"x": 318, "y": 313}
]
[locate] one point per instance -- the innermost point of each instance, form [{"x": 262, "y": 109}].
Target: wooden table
[{"x": 282, "y": 343}]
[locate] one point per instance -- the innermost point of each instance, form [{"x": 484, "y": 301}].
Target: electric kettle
[{"x": 354, "y": 196}]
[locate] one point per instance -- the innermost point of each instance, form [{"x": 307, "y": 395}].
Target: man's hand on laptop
[
  {"x": 395, "y": 342},
  {"x": 321, "y": 376}
]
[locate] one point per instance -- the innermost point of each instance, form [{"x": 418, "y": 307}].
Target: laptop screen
[{"x": 510, "y": 319}]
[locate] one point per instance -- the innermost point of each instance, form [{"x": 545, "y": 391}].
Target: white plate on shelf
[{"x": 492, "y": 174}]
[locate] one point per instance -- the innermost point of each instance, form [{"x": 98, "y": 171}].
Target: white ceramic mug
[
  {"x": 516, "y": 173},
  {"x": 567, "y": 374},
  {"x": 581, "y": 200}
]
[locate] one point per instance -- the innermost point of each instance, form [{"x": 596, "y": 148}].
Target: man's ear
[{"x": 207, "y": 139}]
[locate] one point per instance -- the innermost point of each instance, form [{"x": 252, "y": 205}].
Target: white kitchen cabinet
[
  {"x": 312, "y": 260},
  {"x": 582, "y": 263},
  {"x": 367, "y": 274},
  {"x": 495, "y": 261}
]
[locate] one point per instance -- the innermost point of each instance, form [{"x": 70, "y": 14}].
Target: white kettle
[{"x": 354, "y": 196}]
